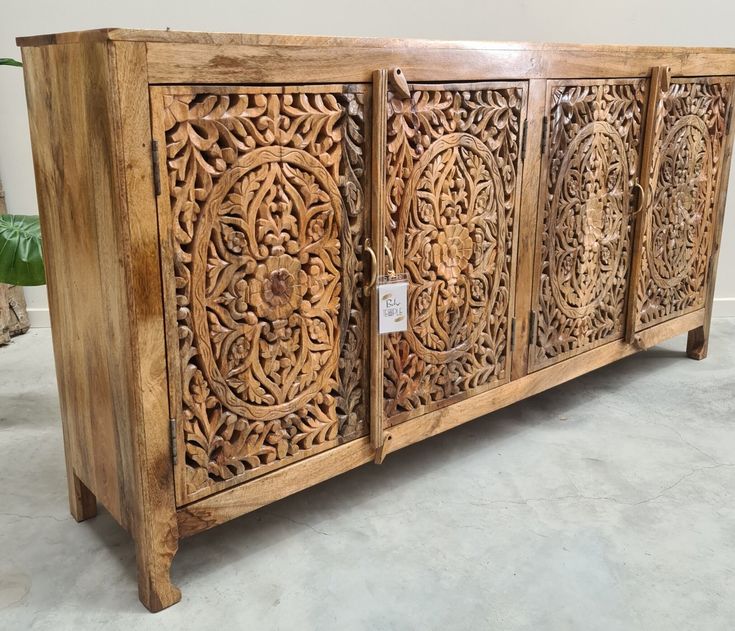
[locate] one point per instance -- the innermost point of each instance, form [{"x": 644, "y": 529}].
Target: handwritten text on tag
[{"x": 392, "y": 307}]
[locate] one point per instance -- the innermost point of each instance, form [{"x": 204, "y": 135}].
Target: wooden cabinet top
[
  {"x": 191, "y": 57},
  {"x": 260, "y": 39}
]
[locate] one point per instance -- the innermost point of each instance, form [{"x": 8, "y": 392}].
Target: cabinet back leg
[
  {"x": 82, "y": 502},
  {"x": 697, "y": 342}
]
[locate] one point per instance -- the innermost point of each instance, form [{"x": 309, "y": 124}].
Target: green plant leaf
[
  {"x": 7, "y": 61},
  {"x": 21, "y": 262}
]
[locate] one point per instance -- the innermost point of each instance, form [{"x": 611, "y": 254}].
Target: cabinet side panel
[{"x": 74, "y": 153}]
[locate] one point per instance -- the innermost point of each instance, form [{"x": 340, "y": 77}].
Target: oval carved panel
[
  {"x": 452, "y": 169},
  {"x": 683, "y": 196},
  {"x": 685, "y": 172},
  {"x": 453, "y": 230},
  {"x": 588, "y": 212},
  {"x": 266, "y": 284},
  {"x": 589, "y": 168},
  {"x": 266, "y": 189}
]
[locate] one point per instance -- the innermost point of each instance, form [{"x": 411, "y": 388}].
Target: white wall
[{"x": 674, "y": 22}]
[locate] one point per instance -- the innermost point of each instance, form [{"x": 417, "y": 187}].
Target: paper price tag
[{"x": 393, "y": 306}]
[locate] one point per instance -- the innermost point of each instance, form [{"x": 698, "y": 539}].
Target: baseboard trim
[
  {"x": 723, "y": 308},
  {"x": 39, "y": 318}
]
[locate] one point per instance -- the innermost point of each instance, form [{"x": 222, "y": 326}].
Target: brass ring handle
[
  {"x": 642, "y": 199},
  {"x": 373, "y": 265}
]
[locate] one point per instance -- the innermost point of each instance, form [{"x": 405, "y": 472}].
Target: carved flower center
[
  {"x": 278, "y": 287},
  {"x": 684, "y": 203},
  {"x": 452, "y": 251}
]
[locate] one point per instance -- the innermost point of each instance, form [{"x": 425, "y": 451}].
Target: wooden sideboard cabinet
[{"x": 216, "y": 210}]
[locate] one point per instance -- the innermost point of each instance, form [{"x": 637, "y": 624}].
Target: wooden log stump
[{"x": 13, "y": 313}]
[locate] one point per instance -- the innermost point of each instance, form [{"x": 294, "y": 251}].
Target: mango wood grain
[
  {"x": 51, "y": 198},
  {"x": 154, "y": 522},
  {"x": 240, "y": 500},
  {"x": 168, "y": 285},
  {"x": 589, "y": 174},
  {"x": 76, "y": 186},
  {"x": 377, "y": 232},
  {"x": 213, "y": 63},
  {"x": 689, "y": 130},
  {"x": 101, "y": 248},
  {"x": 659, "y": 75},
  {"x": 452, "y": 197},
  {"x": 527, "y": 223},
  {"x": 268, "y": 39},
  {"x": 134, "y": 316},
  {"x": 264, "y": 221}
]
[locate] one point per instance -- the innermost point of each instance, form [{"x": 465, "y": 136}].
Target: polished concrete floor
[{"x": 606, "y": 503}]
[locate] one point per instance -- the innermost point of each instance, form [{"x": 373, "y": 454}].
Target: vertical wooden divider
[
  {"x": 526, "y": 223},
  {"x": 646, "y": 183},
  {"x": 379, "y": 138}
]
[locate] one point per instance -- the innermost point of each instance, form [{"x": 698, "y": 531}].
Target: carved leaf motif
[
  {"x": 268, "y": 210},
  {"x": 452, "y": 159}
]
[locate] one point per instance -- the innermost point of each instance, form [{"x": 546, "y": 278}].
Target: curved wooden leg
[
  {"x": 697, "y": 342},
  {"x": 155, "y": 552},
  {"x": 82, "y": 502}
]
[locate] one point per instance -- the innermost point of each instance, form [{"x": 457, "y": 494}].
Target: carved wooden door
[
  {"x": 452, "y": 165},
  {"x": 684, "y": 173},
  {"x": 262, "y": 220},
  {"x": 589, "y": 171}
]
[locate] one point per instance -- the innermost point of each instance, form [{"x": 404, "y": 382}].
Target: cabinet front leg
[
  {"x": 155, "y": 552},
  {"x": 697, "y": 342},
  {"x": 82, "y": 502}
]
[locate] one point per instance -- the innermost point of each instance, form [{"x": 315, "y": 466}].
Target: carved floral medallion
[
  {"x": 267, "y": 201},
  {"x": 591, "y": 166},
  {"x": 690, "y": 129},
  {"x": 452, "y": 168}
]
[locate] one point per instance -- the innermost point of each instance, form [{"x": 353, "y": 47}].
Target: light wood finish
[
  {"x": 268, "y": 350},
  {"x": 377, "y": 232},
  {"x": 453, "y": 187},
  {"x": 76, "y": 185},
  {"x": 267, "y": 39},
  {"x": 215, "y": 510},
  {"x": 184, "y": 290},
  {"x": 589, "y": 170},
  {"x": 656, "y": 86},
  {"x": 202, "y": 63},
  {"x": 685, "y": 172},
  {"x": 100, "y": 247},
  {"x": 698, "y": 340},
  {"x": 527, "y": 223}
]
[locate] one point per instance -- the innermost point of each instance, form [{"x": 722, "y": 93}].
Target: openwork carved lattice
[
  {"x": 452, "y": 165},
  {"x": 266, "y": 190},
  {"x": 591, "y": 165},
  {"x": 685, "y": 172}
]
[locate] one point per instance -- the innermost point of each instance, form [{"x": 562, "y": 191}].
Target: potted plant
[{"x": 21, "y": 262}]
